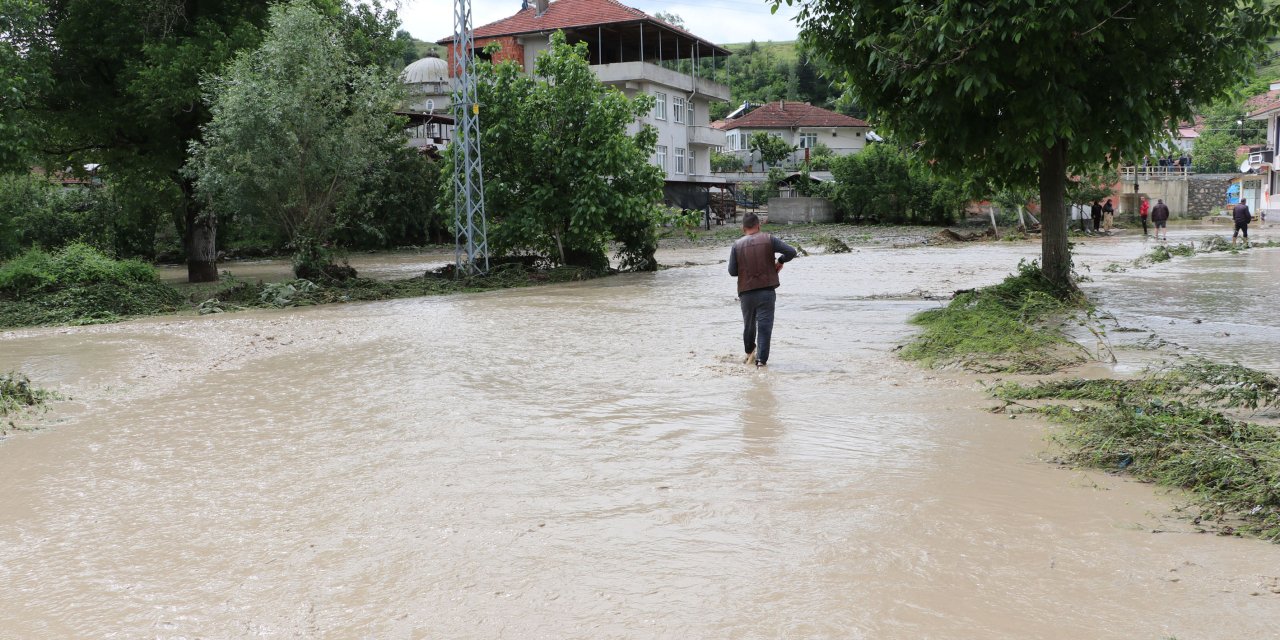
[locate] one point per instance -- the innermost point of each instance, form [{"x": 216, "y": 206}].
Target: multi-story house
[
  {"x": 800, "y": 124},
  {"x": 1261, "y": 161},
  {"x": 638, "y": 54}
]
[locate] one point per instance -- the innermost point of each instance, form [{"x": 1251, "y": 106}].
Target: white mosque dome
[{"x": 429, "y": 69}]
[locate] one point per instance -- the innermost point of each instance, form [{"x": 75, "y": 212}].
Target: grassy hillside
[{"x": 775, "y": 51}]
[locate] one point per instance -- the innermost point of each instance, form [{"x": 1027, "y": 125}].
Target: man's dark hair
[{"x": 750, "y": 220}]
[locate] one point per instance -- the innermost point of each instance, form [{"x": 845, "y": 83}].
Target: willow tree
[{"x": 1028, "y": 92}]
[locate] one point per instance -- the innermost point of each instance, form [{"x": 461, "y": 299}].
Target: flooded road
[{"x": 588, "y": 461}]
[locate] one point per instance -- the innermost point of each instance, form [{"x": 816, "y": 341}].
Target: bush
[
  {"x": 120, "y": 219},
  {"x": 79, "y": 284},
  {"x": 889, "y": 185},
  {"x": 722, "y": 162}
]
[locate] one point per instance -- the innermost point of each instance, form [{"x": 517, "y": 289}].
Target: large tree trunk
[
  {"x": 199, "y": 235},
  {"x": 1055, "y": 256}
]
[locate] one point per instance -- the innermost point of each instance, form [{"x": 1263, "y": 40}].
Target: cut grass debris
[
  {"x": 1170, "y": 427},
  {"x": 18, "y": 396},
  {"x": 1007, "y": 327}
]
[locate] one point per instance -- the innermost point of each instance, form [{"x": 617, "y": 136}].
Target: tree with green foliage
[
  {"x": 887, "y": 184},
  {"x": 771, "y": 147},
  {"x": 722, "y": 162},
  {"x": 1215, "y": 152},
  {"x": 1230, "y": 116},
  {"x": 670, "y": 18},
  {"x": 125, "y": 93},
  {"x": 296, "y": 124},
  {"x": 567, "y": 179},
  {"x": 820, "y": 157},
  {"x": 1011, "y": 90},
  {"x": 124, "y": 90},
  {"x": 24, "y": 74}
]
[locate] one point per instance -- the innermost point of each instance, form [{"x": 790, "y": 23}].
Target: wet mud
[{"x": 592, "y": 460}]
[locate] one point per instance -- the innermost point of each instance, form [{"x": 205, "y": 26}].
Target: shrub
[{"x": 79, "y": 284}]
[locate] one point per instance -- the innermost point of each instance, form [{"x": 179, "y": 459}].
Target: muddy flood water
[{"x": 593, "y": 461}]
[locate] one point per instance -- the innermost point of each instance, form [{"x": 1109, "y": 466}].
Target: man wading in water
[{"x": 752, "y": 261}]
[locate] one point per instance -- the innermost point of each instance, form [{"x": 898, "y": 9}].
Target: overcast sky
[{"x": 720, "y": 21}]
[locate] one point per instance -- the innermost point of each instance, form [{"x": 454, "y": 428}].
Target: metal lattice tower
[{"x": 471, "y": 228}]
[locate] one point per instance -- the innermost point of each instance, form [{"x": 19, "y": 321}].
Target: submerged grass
[
  {"x": 1007, "y": 327},
  {"x": 1171, "y": 427}
]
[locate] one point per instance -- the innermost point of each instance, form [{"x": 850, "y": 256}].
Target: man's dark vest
[{"x": 756, "y": 269}]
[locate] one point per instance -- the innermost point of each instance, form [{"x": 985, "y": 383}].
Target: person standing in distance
[
  {"x": 1241, "y": 216},
  {"x": 1160, "y": 218},
  {"x": 1144, "y": 210},
  {"x": 1108, "y": 216},
  {"x": 752, "y": 260}
]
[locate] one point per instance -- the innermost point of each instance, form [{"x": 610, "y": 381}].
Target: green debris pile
[
  {"x": 1008, "y": 327},
  {"x": 1172, "y": 427},
  {"x": 18, "y": 395}
]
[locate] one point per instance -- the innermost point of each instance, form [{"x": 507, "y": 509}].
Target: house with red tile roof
[
  {"x": 638, "y": 54},
  {"x": 800, "y": 124}
]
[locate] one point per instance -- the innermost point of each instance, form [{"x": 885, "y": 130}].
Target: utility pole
[{"x": 471, "y": 228}]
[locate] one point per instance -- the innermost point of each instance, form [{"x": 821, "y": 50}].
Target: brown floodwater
[{"x": 592, "y": 461}]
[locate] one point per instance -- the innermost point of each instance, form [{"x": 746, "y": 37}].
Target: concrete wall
[
  {"x": 1172, "y": 190},
  {"x": 796, "y": 210}
]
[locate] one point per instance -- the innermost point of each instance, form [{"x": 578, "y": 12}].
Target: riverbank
[{"x": 1177, "y": 424}]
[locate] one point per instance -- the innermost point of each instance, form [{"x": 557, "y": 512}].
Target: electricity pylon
[{"x": 471, "y": 228}]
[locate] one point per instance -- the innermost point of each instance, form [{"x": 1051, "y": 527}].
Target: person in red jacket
[
  {"x": 1160, "y": 217},
  {"x": 753, "y": 261},
  {"x": 1144, "y": 210}
]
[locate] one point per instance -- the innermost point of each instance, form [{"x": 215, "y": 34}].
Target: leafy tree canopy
[
  {"x": 24, "y": 73},
  {"x": 1019, "y": 90},
  {"x": 296, "y": 124},
  {"x": 771, "y": 147},
  {"x": 564, "y": 176},
  {"x": 124, "y": 88},
  {"x": 1215, "y": 152}
]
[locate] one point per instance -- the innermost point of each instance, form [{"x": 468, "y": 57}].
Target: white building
[
  {"x": 429, "y": 88},
  {"x": 799, "y": 124},
  {"x": 1262, "y": 161},
  {"x": 638, "y": 54}
]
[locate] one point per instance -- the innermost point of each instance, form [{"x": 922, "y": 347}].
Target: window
[
  {"x": 808, "y": 140},
  {"x": 431, "y": 105},
  {"x": 693, "y": 162},
  {"x": 690, "y": 118},
  {"x": 677, "y": 109},
  {"x": 737, "y": 141},
  {"x": 660, "y": 157},
  {"x": 660, "y": 108},
  {"x": 679, "y": 160}
]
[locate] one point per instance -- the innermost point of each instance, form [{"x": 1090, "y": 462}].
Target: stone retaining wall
[{"x": 1207, "y": 193}]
